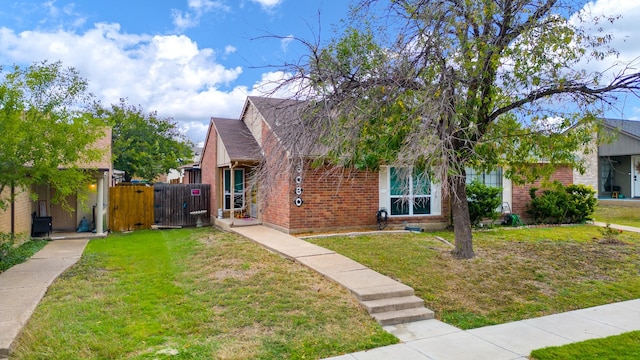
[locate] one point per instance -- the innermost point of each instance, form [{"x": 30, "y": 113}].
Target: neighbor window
[
  {"x": 410, "y": 195},
  {"x": 492, "y": 178}
]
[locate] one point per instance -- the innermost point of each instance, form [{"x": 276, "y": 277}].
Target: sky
[{"x": 191, "y": 60}]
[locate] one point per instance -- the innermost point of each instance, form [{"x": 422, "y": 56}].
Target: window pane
[
  {"x": 238, "y": 180},
  {"x": 396, "y": 183},
  {"x": 227, "y": 180},
  {"x": 227, "y": 202},
  {"x": 238, "y": 201},
  {"x": 399, "y": 206},
  {"x": 422, "y": 206},
  {"x": 421, "y": 185}
]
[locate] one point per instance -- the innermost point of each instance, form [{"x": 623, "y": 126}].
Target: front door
[{"x": 635, "y": 179}]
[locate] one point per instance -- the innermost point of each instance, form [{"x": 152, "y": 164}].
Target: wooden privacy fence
[
  {"x": 130, "y": 207},
  {"x": 181, "y": 204},
  {"x": 137, "y": 207}
]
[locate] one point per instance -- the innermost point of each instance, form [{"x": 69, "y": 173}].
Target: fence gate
[
  {"x": 131, "y": 207},
  {"x": 181, "y": 204}
]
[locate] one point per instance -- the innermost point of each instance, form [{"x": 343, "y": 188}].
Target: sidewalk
[
  {"x": 435, "y": 340},
  {"x": 23, "y": 286}
]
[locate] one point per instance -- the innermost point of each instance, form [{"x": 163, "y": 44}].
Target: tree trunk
[{"x": 461, "y": 220}]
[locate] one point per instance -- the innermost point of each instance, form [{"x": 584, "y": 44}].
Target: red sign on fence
[{"x": 195, "y": 192}]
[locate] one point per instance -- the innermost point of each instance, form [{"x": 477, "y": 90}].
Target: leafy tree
[
  {"x": 441, "y": 85},
  {"x": 46, "y": 132},
  {"x": 144, "y": 145}
]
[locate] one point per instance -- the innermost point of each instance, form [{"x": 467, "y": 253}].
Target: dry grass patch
[{"x": 516, "y": 274}]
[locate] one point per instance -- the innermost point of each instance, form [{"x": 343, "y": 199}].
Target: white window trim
[{"x": 384, "y": 181}]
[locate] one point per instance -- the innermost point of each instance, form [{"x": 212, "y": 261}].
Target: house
[
  {"x": 62, "y": 218},
  {"x": 306, "y": 199},
  {"x": 188, "y": 173},
  {"x": 616, "y": 170}
]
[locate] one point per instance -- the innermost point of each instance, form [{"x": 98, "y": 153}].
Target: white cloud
[
  {"x": 230, "y": 49},
  {"x": 169, "y": 74},
  {"x": 197, "y": 8},
  {"x": 268, "y": 4},
  {"x": 284, "y": 43},
  {"x": 626, "y": 40}
]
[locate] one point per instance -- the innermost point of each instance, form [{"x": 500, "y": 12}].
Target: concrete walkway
[
  {"x": 435, "y": 340},
  {"x": 23, "y": 286}
]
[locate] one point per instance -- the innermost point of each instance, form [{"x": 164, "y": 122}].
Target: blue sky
[{"x": 194, "y": 59}]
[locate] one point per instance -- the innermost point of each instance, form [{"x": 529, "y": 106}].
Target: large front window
[
  {"x": 409, "y": 195},
  {"x": 238, "y": 189}
]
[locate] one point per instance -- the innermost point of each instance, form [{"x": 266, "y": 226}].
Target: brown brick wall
[
  {"x": 520, "y": 199},
  {"x": 23, "y": 209},
  {"x": 275, "y": 186},
  {"x": 335, "y": 201},
  {"x": 209, "y": 168}
]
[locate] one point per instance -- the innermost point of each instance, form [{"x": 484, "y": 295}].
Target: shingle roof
[
  {"x": 283, "y": 116},
  {"x": 237, "y": 139},
  {"x": 628, "y": 127}
]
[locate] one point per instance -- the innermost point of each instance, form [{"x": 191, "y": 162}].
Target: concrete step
[
  {"x": 403, "y": 316},
  {"x": 381, "y": 292},
  {"x": 393, "y": 304}
]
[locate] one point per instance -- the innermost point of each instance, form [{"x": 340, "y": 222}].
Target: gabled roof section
[
  {"x": 277, "y": 112},
  {"x": 237, "y": 139},
  {"x": 283, "y": 117},
  {"x": 628, "y": 127}
]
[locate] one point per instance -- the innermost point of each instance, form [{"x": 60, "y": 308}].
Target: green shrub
[
  {"x": 483, "y": 201},
  {"x": 582, "y": 203},
  {"x": 11, "y": 255},
  {"x": 561, "y": 205}
]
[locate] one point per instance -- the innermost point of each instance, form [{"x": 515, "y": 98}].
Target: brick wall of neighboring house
[
  {"x": 23, "y": 209},
  {"x": 563, "y": 174},
  {"x": 209, "y": 166}
]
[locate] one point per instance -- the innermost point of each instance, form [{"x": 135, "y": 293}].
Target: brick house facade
[{"x": 327, "y": 200}]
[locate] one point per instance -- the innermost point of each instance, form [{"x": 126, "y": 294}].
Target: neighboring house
[
  {"x": 188, "y": 173},
  {"x": 63, "y": 219},
  {"x": 616, "y": 170},
  {"x": 307, "y": 200}
]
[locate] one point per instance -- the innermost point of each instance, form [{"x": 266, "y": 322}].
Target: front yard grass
[
  {"x": 621, "y": 215},
  {"x": 193, "y": 294},
  {"x": 620, "y": 347},
  {"x": 516, "y": 274}
]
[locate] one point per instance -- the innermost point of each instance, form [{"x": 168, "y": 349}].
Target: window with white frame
[
  {"x": 238, "y": 189},
  {"x": 492, "y": 178},
  {"x": 409, "y": 195}
]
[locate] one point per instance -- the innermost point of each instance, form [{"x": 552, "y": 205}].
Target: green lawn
[
  {"x": 193, "y": 294},
  {"x": 622, "y": 215},
  {"x": 620, "y": 347},
  {"x": 517, "y": 273}
]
